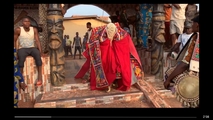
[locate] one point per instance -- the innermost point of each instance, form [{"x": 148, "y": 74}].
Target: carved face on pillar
[
  {"x": 55, "y": 27},
  {"x": 158, "y": 30}
]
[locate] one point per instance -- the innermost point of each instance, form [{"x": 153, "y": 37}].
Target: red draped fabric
[
  {"x": 86, "y": 65},
  {"x": 114, "y": 58}
]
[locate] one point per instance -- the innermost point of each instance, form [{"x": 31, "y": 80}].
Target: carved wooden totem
[
  {"x": 56, "y": 50},
  {"x": 158, "y": 40}
]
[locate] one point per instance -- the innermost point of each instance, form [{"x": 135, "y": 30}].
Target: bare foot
[
  {"x": 109, "y": 89},
  {"x": 84, "y": 81}
]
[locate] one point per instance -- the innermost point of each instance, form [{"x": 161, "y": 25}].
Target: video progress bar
[
  {"x": 33, "y": 116},
  {"x": 100, "y": 117}
]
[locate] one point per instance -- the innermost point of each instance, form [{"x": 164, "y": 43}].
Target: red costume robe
[{"x": 106, "y": 60}]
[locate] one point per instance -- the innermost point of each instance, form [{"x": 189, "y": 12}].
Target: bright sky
[
  {"x": 88, "y": 10},
  {"x": 85, "y": 10}
]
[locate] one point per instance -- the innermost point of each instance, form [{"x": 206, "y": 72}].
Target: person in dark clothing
[
  {"x": 77, "y": 43},
  {"x": 123, "y": 17},
  {"x": 64, "y": 42}
]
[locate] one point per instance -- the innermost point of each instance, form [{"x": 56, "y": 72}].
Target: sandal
[{"x": 39, "y": 83}]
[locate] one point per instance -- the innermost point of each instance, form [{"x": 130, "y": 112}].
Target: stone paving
[
  {"x": 86, "y": 97},
  {"x": 121, "y": 104},
  {"x": 75, "y": 94},
  {"x": 82, "y": 93}
]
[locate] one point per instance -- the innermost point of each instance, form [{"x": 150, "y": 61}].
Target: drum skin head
[{"x": 188, "y": 88}]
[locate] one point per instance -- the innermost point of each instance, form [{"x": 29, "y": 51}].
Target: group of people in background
[
  {"x": 80, "y": 45},
  {"x": 68, "y": 44},
  {"x": 141, "y": 24},
  {"x": 181, "y": 34},
  {"x": 178, "y": 21}
]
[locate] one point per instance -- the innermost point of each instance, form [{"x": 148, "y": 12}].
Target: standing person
[
  {"x": 188, "y": 60},
  {"x": 64, "y": 42},
  {"x": 86, "y": 52},
  {"x": 18, "y": 80},
  {"x": 117, "y": 16},
  {"x": 84, "y": 41},
  {"x": 27, "y": 37},
  {"x": 138, "y": 24},
  {"x": 123, "y": 17},
  {"x": 125, "y": 28},
  {"x": 89, "y": 31},
  {"x": 182, "y": 40},
  {"x": 68, "y": 46},
  {"x": 177, "y": 21},
  {"x": 77, "y": 43},
  {"x": 191, "y": 11},
  {"x": 168, "y": 12}
]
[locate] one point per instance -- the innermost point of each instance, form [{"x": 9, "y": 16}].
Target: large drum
[{"x": 186, "y": 87}]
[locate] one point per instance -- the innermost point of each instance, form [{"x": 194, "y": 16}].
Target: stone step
[
  {"x": 149, "y": 78},
  {"x": 167, "y": 95},
  {"x": 72, "y": 99},
  {"x": 121, "y": 104},
  {"x": 170, "y": 98},
  {"x": 72, "y": 87},
  {"x": 173, "y": 102},
  {"x": 86, "y": 86},
  {"x": 63, "y": 96}
]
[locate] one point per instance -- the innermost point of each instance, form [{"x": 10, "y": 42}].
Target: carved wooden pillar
[
  {"x": 158, "y": 40},
  {"x": 43, "y": 24},
  {"x": 56, "y": 50}
]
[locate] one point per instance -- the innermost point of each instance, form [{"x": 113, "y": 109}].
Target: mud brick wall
[
  {"x": 30, "y": 76},
  {"x": 145, "y": 57}
]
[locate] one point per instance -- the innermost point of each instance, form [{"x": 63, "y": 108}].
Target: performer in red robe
[{"x": 111, "y": 55}]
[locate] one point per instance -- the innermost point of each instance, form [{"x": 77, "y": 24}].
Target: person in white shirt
[
  {"x": 182, "y": 40},
  {"x": 177, "y": 21},
  {"x": 89, "y": 31}
]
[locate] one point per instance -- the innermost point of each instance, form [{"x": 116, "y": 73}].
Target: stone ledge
[
  {"x": 72, "y": 87},
  {"x": 158, "y": 96},
  {"x": 102, "y": 98},
  {"x": 120, "y": 104},
  {"x": 30, "y": 74},
  {"x": 174, "y": 102},
  {"x": 166, "y": 93},
  {"x": 150, "y": 78},
  {"x": 154, "y": 97},
  {"x": 86, "y": 86}
]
